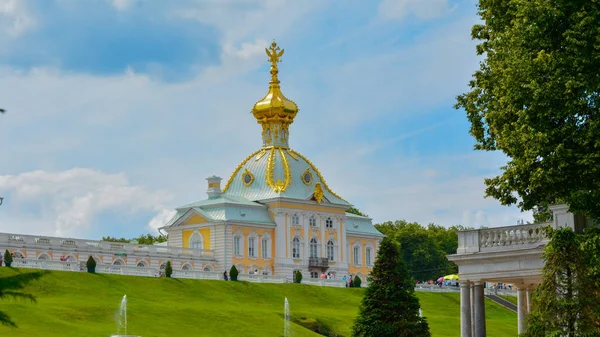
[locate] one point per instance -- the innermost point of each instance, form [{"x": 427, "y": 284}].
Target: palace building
[{"x": 276, "y": 213}]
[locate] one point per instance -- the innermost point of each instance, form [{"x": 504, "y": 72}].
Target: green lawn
[
  {"x": 81, "y": 304},
  {"x": 511, "y": 299}
]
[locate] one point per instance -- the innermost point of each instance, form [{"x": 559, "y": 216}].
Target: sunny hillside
[{"x": 81, "y": 304}]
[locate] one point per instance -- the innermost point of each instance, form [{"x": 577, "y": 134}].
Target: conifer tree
[
  {"x": 390, "y": 307},
  {"x": 168, "y": 269},
  {"x": 8, "y": 258},
  {"x": 233, "y": 273}
]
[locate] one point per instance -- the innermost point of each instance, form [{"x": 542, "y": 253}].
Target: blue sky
[{"x": 118, "y": 109}]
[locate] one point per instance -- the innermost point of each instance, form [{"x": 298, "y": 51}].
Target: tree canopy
[
  {"x": 423, "y": 249},
  {"x": 536, "y": 98},
  {"x": 147, "y": 239},
  {"x": 390, "y": 307}
]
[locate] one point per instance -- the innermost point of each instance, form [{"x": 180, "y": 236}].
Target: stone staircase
[{"x": 508, "y": 305}]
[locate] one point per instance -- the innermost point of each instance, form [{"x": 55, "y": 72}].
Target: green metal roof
[{"x": 356, "y": 224}]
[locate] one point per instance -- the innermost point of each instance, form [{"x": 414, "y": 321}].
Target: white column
[
  {"x": 322, "y": 243},
  {"x": 521, "y": 309},
  {"x": 472, "y": 308},
  {"x": 528, "y": 301},
  {"x": 479, "y": 305},
  {"x": 465, "y": 309}
]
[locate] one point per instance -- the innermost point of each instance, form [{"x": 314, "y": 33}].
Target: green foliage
[
  {"x": 10, "y": 286},
  {"x": 424, "y": 249},
  {"x": 168, "y": 269},
  {"x": 147, "y": 239},
  {"x": 91, "y": 265},
  {"x": 114, "y": 239},
  {"x": 356, "y": 282},
  {"x": 390, "y": 307},
  {"x": 536, "y": 97},
  {"x": 8, "y": 258},
  {"x": 233, "y": 273},
  {"x": 298, "y": 277},
  {"x": 355, "y": 210},
  {"x": 566, "y": 302}
]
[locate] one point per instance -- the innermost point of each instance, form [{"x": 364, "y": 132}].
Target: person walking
[{"x": 225, "y": 277}]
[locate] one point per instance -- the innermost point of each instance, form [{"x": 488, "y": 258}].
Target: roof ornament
[{"x": 275, "y": 112}]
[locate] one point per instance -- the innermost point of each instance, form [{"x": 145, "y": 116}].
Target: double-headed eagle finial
[{"x": 274, "y": 54}]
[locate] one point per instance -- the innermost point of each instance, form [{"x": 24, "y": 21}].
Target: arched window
[
  {"x": 238, "y": 244},
  {"x": 251, "y": 246},
  {"x": 329, "y": 223},
  {"x": 312, "y": 221},
  {"x": 141, "y": 264},
  {"x": 356, "y": 255},
  {"x": 207, "y": 269},
  {"x": 295, "y": 220},
  {"x": 196, "y": 241},
  {"x": 330, "y": 250},
  {"x": 296, "y": 248},
  {"x": 265, "y": 246},
  {"x": 117, "y": 263},
  {"x": 368, "y": 256},
  {"x": 314, "y": 248},
  {"x": 186, "y": 267}
]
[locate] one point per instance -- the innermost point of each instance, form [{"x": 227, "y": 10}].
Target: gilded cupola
[{"x": 275, "y": 112}]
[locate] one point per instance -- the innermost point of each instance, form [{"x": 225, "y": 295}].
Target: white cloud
[
  {"x": 122, "y": 5},
  {"x": 15, "y": 18},
  {"x": 422, "y": 9},
  {"x": 161, "y": 219},
  {"x": 70, "y": 200}
]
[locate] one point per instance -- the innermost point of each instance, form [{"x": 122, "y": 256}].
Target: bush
[
  {"x": 298, "y": 277},
  {"x": 356, "y": 282},
  {"x": 168, "y": 269},
  {"x": 91, "y": 265},
  {"x": 233, "y": 273},
  {"x": 7, "y": 258}
]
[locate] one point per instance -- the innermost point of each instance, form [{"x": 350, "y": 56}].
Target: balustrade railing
[
  {"x": 261, "y": 278},
  {"x": 501, "y": 238},
  {"x": 70, "y": 244},
  {"x": 45, "y": 264}
]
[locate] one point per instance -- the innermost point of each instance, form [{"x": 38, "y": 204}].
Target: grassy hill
[{"x": 81, "y": 304}]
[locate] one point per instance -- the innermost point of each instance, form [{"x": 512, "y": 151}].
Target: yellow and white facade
[{"x": 276, "y": 213}]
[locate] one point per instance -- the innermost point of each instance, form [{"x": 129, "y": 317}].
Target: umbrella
[
  {"x": 451, "y": 277},
  {"x": 440, "y": 279}
]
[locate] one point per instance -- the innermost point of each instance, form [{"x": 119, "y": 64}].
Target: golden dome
[{"x": 275, "y": 112}]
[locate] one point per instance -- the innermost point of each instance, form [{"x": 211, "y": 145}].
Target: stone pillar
[
  {"x": 472, "y": 309},
  {"x": 521, "y": 309},
  {"x": 479, "y": 305},
  {"x": 465, "y": 309},
  {"x": 528, "y": 301}
]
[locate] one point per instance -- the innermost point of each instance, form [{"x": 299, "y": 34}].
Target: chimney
[{"x": 214, "y": 187}]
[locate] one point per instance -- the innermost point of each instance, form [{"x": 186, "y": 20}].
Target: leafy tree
[
  {"x": 390, "y": 307},
  {"x": 536, "y": 97},
  {"x": 356, "y": 282},
  {"x": 144, "y": 239},
  {"x": 355, "y": 210},
  {"x": 8, "y": 258},
  {"x": 10, "y": 286},
  {"x": 91, "y": 265},
  {"x": 567, "y": 302},
  {"x": 423, "y": 249},
  {"x": 114, "y": 239},
  {"x": 298, "y": 277},
  {"x": 233, "y": 273},
  {"x": 168, "y": 269}
]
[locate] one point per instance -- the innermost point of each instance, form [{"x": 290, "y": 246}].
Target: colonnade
[{"x": 472, "y": 308}]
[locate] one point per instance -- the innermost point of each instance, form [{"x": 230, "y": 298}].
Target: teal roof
[
  {"x": 268, "y": 167},
  {"x": 230, "y": 208},
  {"x": 356, "y": 224}
]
